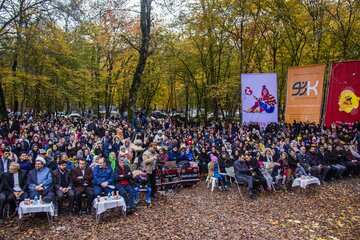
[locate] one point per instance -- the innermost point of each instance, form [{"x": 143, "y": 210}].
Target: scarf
[{"x": 113, "y": 162}]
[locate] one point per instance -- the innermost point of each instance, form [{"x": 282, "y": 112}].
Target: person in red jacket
[{"x": 123, "y": 176}]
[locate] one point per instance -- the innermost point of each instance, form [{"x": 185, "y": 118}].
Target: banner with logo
[
  {"x": 304, "y": 93},
  {"x": 259, "y": 98},
  {"x": 344, "y": 93}
]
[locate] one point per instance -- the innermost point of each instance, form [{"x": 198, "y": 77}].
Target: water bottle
[
  {"x": 36, "y": 199},
  {"x": 109, "y": 196}
]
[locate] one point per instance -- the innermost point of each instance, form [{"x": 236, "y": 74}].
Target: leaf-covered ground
[{"x": 331, "y": 211}]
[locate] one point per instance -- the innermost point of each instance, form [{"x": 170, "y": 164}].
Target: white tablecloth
[
  {"x": 304, "y": 182},
  {"x": 44, "y": 207},
  {"x": 104, "y": 205}
]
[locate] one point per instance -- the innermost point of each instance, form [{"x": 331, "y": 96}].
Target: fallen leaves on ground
[{"x": 331, "y": 211}]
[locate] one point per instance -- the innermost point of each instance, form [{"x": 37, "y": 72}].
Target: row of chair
[{"x": 230, "y": 173}]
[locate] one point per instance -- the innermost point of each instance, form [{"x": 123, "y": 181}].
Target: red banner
[{"x": 344, "y": 93}]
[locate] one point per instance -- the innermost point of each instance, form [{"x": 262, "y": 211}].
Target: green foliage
[{"x": 72, "y": 57}]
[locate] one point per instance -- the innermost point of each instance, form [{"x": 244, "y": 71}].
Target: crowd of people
[{"x": 57, "y": 159}]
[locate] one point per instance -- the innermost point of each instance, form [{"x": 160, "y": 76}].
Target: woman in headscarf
[
  {"x": 204, "y": 160},
  {"x": 163, "y": 156},
  {"x": 112, "y": 160}
]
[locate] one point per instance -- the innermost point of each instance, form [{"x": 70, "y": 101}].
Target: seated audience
[
  {"x": 82, "y": 179},
  {"x": 40, "y": 181},
  {"x": 103, "y": 178},
  {"x": 63, "y": 186}
]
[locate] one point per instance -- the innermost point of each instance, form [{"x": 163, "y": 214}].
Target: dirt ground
[{"x": 330, "y": 211}]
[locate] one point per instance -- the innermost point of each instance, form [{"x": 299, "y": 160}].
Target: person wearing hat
[
  {"x": 63, "y": 186},
  {"x": 214, "y": 171},
  {"x": 5, "y": 161},
  {"x": 42, "y": 153},
  {"x": 40, "y": 181}
]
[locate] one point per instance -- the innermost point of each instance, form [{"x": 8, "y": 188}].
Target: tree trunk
[
  {"x": 3, "y": 111},
  {"x": 145, "y": 24},
  {"x": 187, "y": 103}
]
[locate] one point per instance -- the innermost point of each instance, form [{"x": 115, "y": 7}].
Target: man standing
[
  {"x": 103, "y": 178},
  {"x": 149, "y": 162},
  {"x": 40, "y": 181},
  {"x": 242, "y": 175},
  {"x": 63, "y": 186},
  {"x": 82, "y": 178}
]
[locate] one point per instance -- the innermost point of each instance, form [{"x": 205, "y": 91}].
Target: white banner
[{"x": 259, "y": 98}]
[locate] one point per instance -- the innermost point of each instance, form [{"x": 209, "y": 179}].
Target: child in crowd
[
  {"x": 266, "y": 174},
  {"x": 214, "y": 171}
]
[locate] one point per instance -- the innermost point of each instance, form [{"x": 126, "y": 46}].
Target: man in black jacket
[
  {"x": 2, "y": 196},
  {"x": 253, "y": 166},
  {"x": 242, "y": 174},
  {"x": 305, "y": 159},
  {"x": 333, "y": 159},
  {"x": 15, "y": 185},
  {"x": 63, "y": 186},
  {"x": 320, "y": 170},
  {"x": 123, "y": 176},
  {"x": 325, "y": 163},
  {"x": 82, "y": 179}
]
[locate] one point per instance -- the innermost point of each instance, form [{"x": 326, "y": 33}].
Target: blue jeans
[
  {"x": 148, "y": 194},
  {"x": 98, "y": 189},
  {"x": 266, "y": 107},
  {"x": 129, "y": 197}
]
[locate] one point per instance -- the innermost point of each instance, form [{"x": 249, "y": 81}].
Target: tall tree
[{"x": 145, "y": 26}]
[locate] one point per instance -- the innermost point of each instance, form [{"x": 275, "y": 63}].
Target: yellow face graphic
[{"x": 348, "y": 101}]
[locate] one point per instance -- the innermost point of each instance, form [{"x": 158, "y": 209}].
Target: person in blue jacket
[
  {"x": 103, "y": 178},
  {"x": 40, "y": 181}
]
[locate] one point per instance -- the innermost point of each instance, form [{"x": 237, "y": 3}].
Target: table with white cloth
[
  {"x": 304, "y": 182},
  {"x": 48, "y": 208},
  {"x": 105, "y": 204}
]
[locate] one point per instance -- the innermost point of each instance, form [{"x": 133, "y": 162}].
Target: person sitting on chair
[
  {"x": 278, "y": 171},
  {"x": 82, "y": 178},
  {"x": 242, "y": 175},
  {"x": 3, "y": 193},
  {"x": 254, "y": 168},
  {"x": 141, "y": 182},
  {"x": 123, "y": 176},
  {"x": 15, "y": 185},
  {"x": 63, "y": 186},
  {"x": 214, "y": 171},
  {"x": 103, "y": 178},
  {"x": 40, "y": 181}
]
